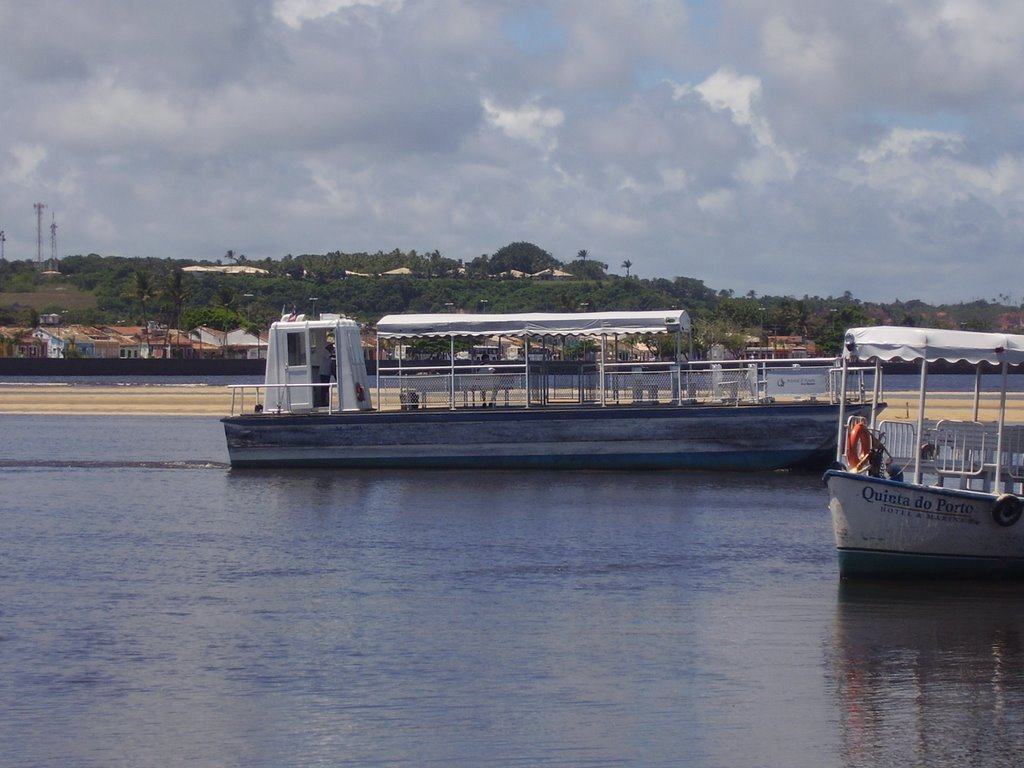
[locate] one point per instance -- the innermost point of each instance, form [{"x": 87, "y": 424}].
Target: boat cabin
[{"x": 314, "y": 364}]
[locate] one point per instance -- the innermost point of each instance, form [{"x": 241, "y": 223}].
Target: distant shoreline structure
[{"x": 54, "y": 367}]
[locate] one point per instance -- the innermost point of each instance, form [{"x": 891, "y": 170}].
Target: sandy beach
[
  {"x": 128, "y": 399},
  {"x": 953, "y": 405},
  {"x": 204, "y": 400}
]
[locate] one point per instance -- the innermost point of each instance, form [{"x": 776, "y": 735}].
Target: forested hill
[{"x": 520, "y": 277}]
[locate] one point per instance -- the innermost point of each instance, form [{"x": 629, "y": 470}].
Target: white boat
[
  {"x": 925, "y": 498},
  {"x": 530, "y": 411}
]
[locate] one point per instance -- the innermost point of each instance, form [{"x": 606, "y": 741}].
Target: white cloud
[
  {"x": 295, "y": 13},
  {"x": 806, "y": 54},
  {"x": 529, "y": 122},
  {"x": 717, "y": 201},
  {"x": 25, "y": 162},
  {"x": 929, "y": 170},
  {"x": 903, "y": 142},
  {"x": 605, "y": 47},
  {"x": 844, "y": 142},
  {"x": 107, "y": 113},
  {"x": 725, "y": 91}
]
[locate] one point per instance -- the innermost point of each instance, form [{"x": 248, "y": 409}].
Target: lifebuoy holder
[
  {"x": 1007, "y": 510},
  {"x": 858, "y": 447}
]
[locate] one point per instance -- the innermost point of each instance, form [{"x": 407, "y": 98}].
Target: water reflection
[{"x": 928, "y": 673}]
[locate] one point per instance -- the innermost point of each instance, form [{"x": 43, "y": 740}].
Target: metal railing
[
  {"x": 536, "y": 384},
  {"x": 957, "y": 453},
  {"x": 426, "y": 386}
]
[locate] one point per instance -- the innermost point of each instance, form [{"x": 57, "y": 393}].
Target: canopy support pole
[
  {"x": 920, "y": 419},
  {"x": 977, "y": 391},
  {"x": 526, "y": 353},
  {"x": 998, "y": 487},
  {"x": 451, "y": 378}
]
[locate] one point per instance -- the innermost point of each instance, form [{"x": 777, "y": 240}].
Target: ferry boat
[
  {"x": 319, "y": 410},
  {"x": 927, "y": 498}
]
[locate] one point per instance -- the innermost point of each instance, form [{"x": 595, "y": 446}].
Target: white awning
[
  {"x": 888, "y": 343},
  {"x": 534, "y": 324}
]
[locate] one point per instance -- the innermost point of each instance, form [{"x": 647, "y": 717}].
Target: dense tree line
[{"x": 138, "y": 290}]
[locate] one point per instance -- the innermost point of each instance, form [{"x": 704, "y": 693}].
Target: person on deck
[{"x": 323, "y": 370}]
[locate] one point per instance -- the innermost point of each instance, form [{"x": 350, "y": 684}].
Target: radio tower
[
  {"x": 53, "y": 243},
  {"x": 39, "y": 232}
]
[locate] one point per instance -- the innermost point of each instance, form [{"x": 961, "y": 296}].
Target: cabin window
[{"x": 296, "y": 348}]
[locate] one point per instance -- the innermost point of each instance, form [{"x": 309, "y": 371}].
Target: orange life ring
[
  {"x": 858, "y": 447},
  {"x": 360, "y": 393}
]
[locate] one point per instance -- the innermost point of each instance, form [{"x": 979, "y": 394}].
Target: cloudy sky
[{"x": 788, "y": 147}]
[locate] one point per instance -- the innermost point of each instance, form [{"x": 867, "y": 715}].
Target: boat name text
[{"x": 932, "y": 508}]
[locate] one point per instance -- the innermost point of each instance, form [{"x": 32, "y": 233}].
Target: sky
[{"x": 785, "y": 147}]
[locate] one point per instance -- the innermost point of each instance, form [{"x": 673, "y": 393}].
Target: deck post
[
  {"x": 451, "y": 377},
  {"x": 920, "y": 418},
  {"x": 841, "y": 437},
  {"x": 876, "y": 392},
  {"x": 600, "y": 376},
  {"x": 677, "y": 369},
  {"x": 526, "y": 354}
]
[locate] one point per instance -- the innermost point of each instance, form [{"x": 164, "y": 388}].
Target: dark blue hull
[{"x": 762, "y": 437}]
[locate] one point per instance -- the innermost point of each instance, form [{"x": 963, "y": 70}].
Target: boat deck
[{"x": 958, "y": 453}]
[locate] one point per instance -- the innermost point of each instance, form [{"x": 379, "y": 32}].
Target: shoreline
[
  {"x": 115, "y": 400},
  {"x": 215, "y": 400}
]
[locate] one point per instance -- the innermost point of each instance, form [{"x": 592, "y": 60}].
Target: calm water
[{"x": 158, "y": 609}]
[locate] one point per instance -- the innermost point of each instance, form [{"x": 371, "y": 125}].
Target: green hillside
[{"x": 114, "y": 290}]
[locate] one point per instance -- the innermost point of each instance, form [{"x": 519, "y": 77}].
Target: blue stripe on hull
[
  {"x": 875, "y": 564},
  {"x": 769, "y": 413}
]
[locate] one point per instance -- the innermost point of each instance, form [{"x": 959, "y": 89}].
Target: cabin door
[{"x": 298, "y": 374}]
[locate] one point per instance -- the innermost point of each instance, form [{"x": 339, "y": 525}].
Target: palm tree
[
  {"x": 175, "y": 292},
  {"x": 224, "y": 297},
  {"x": 142, "y": 290},
  {"x": 626, "y": 266},
  {"x": 582, "y": 254}
]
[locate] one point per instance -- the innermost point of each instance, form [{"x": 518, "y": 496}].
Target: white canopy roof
[
  {"x": 888, "y": 342},
  {"x": 534, "y": 324}
]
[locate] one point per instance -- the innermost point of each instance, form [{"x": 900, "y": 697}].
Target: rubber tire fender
[{"x": 1007, "y": 510}]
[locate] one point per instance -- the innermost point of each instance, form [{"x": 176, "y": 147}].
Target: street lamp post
[
  {"x": 248, "y": 321},
  {"x": 762, "y": 340}
]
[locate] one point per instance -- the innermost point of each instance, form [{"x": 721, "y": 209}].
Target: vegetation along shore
[{"x": 176, "y": 306}]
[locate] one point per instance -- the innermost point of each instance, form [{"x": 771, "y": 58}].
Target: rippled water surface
[{"x": 159, "y": 609}]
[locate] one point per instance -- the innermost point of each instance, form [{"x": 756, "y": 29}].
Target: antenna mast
[
  {"x": 53, "y": 242},
  {"x": 39, "y": 233}
]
